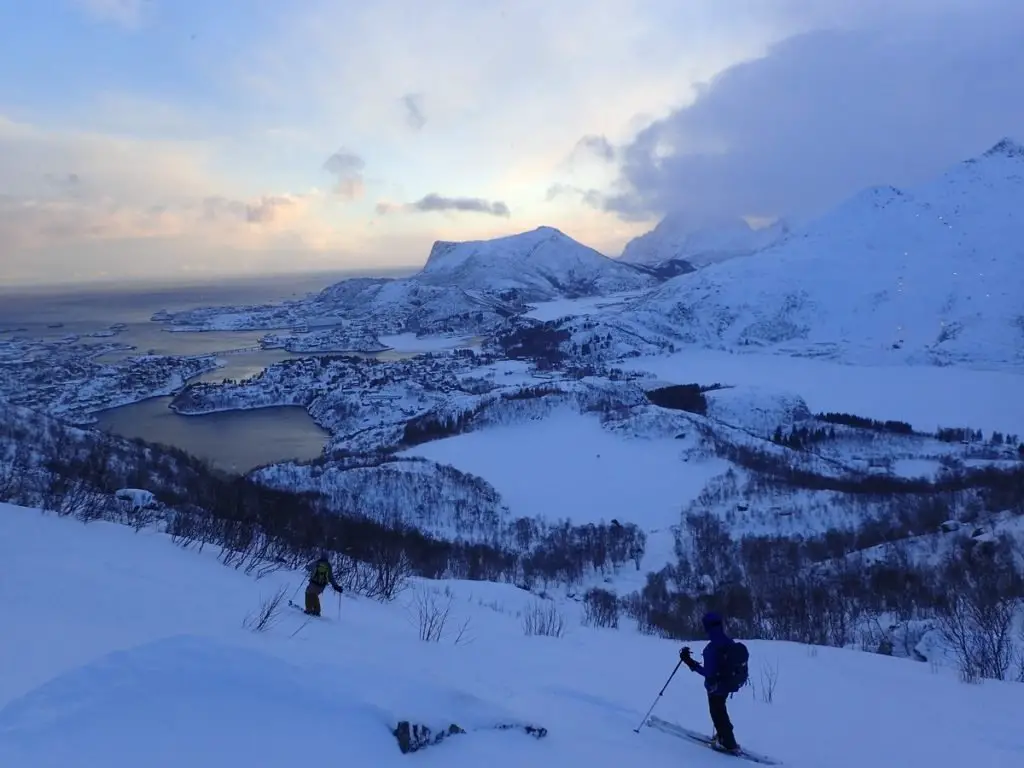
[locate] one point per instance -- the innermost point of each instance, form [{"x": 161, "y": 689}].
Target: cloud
[
  {"x": 265, "y": 210},
  {"x": 592, "y": 197},
  {"x": 435, "y": 202},
  {"x": 826, "y": 113},
  {"x": 492, "y": 69},
  {"x": 415, "y": 117},
  {"x": 597, "y": 146},
  {"x": 75, "y": 200},
  {"x": 125, "y": 13},
  {"x": 347, "y": 169}
]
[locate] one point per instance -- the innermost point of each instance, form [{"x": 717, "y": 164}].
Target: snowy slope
[
  {"x": 930, "y": 275},
  {"x": 541, "y": 265},
  {"x": 675, "y": 237},
  {"x": 413, "y": 305},
  {"x": 139, "y": 659}
]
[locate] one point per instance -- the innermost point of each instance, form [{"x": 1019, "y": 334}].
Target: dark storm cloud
[
  {"x": 435, "y": 202},
  {"x": 826, "y": 113}
]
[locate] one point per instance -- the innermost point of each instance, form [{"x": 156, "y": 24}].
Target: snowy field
[
  {"x": 926, "y": 397},
  {"x": 122, "y": 650},
  {"x": 568, "y": 466},
  {"x": 410, "y": 342},
  {"x": 592, "y": 305}
]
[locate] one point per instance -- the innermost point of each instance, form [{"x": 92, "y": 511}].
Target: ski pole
[{"x": 637, "y": 729}]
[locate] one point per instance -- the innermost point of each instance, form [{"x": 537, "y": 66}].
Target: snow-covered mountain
[
  {"x": 932, "y": 274},
  {"x": 410, "y": 305},
  {"x": 675, "y": 237},
  {"x": 539, "y": 265},
  {"x": 465, "y": 287}
]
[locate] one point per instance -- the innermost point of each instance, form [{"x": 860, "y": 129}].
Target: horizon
[{"x": 191, "y": 142}]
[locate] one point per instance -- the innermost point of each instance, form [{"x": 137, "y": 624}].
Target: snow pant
[
  {"x": 720, "y": 718},
  {"x": 313, "y": 598}
]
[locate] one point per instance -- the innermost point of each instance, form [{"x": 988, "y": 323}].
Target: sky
[{"x": 184, "y": 138}]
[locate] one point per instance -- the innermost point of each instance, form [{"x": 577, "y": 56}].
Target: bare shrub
[
  {"x": 601, "y": 609},
  {"x": 1020, "y": 651},
  {"x": 391, "y": 572},
  {"x": 141, "y": 517},
  {"x": 769, "y": 679},
  {"x": 69, "y": 496},
  {"x": 461, "y": 634},
  {"x": 12, "y": 475},
  {"x": 268, "y": 614},
  {"x": 977, "y": 613},
  {"x": 543, "y": 618},
  {"x": 431, "y": 613}
]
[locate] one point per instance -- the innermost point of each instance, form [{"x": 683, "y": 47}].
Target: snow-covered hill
[
  {"x": 349, "y": 314},
  {"x": 929, "y": 275},
  {"x": 676, "y": 238},
  {"x": 163, "y": 671},
  {"x": 540, "y": 265}
]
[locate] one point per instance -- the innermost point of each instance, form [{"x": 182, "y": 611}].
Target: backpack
[
  {"x": 321, "y": 573},
  {"x": 732, "y": 667}
]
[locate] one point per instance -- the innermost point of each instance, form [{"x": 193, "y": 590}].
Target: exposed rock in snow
[{"x": 540, "y": 265}]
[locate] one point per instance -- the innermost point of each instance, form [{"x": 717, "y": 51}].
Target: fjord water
[{"x": 236, "y": 440}]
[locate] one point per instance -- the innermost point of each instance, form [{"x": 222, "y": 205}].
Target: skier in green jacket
[{"x": 320, "y": 575}]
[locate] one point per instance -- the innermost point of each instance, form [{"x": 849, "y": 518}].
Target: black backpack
[{"x": 732, "y": 667}]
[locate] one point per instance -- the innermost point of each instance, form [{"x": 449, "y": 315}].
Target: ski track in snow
[{"x": 133, "y": 655}]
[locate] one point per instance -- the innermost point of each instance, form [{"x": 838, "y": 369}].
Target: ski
[
  {"x": 302, "y": 610},
  {"x": 685, "y": 733}
]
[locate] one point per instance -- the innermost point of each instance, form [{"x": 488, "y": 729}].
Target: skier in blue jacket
[{"x": 709, "y": 670}]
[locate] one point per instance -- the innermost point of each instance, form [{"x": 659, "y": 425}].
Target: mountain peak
[
  {"x": 1006, "y": 147},
  {"x": 541, "y": 264}
]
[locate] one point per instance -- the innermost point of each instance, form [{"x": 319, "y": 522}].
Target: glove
[
  {"x": 337, "y": 588},
  {"x": 686, "y": 658}
]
